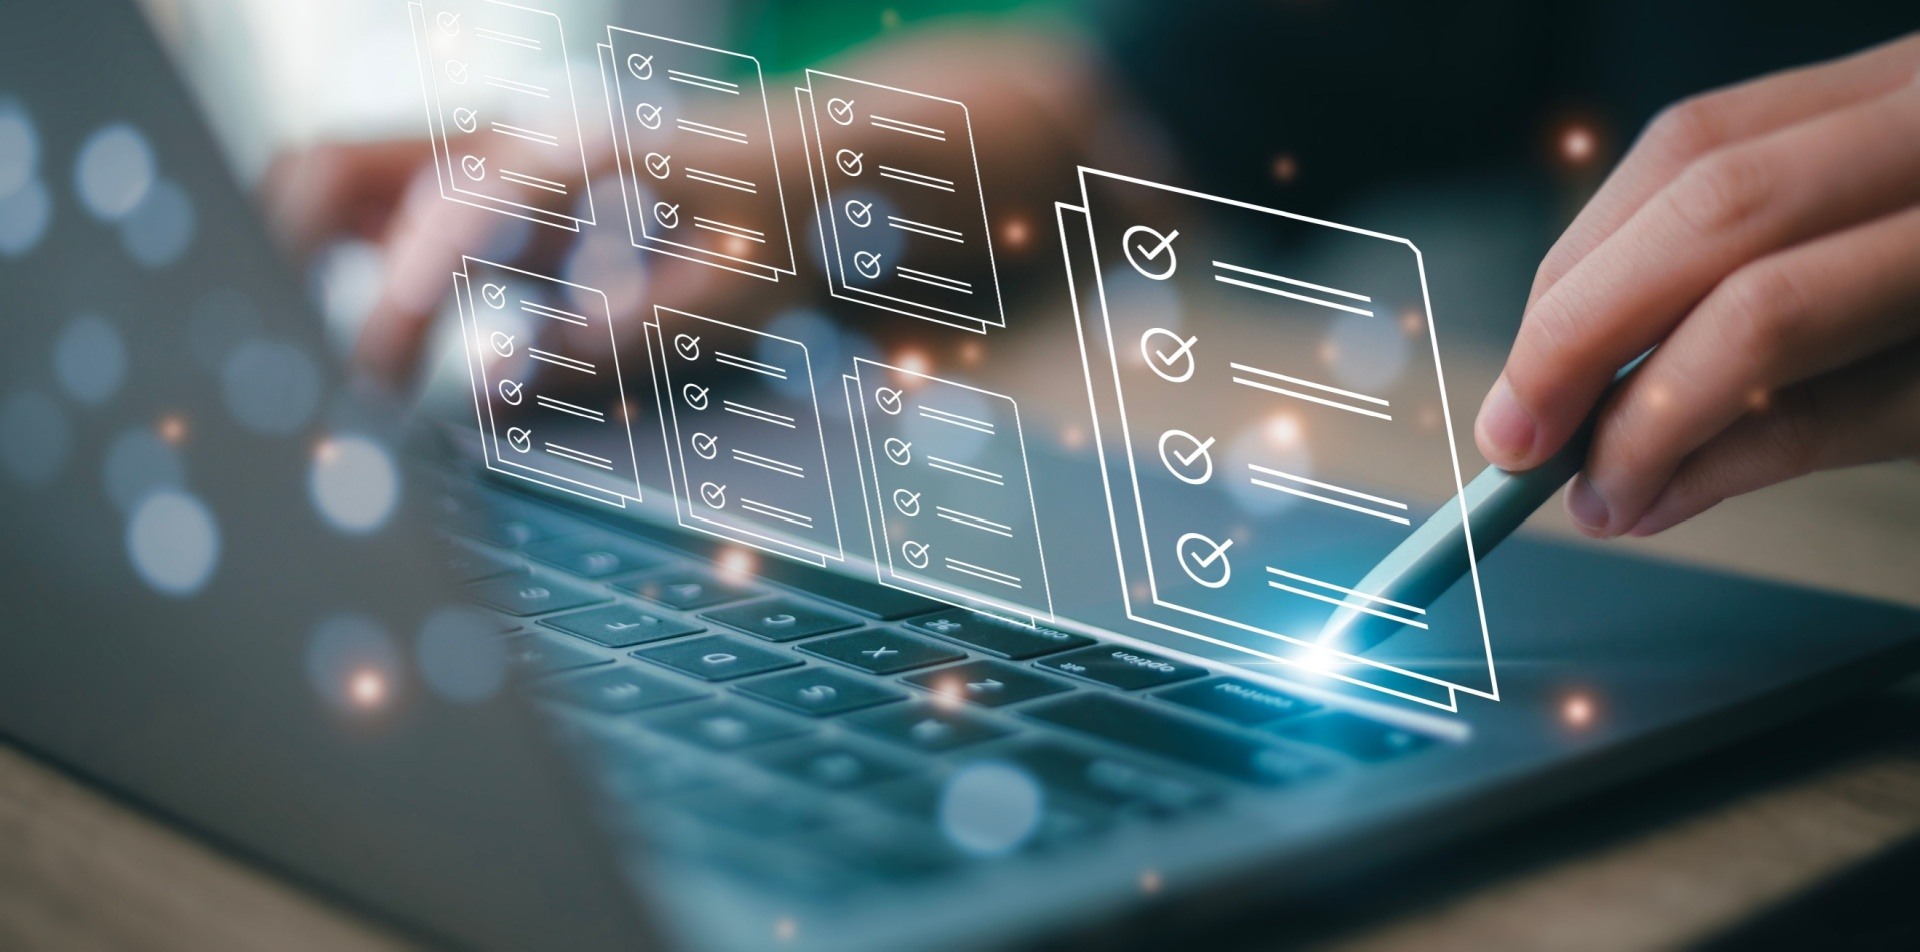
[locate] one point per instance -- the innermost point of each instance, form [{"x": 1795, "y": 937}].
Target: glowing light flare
[
  {"x": 173, "y": 429},
  {"x": 1150, "y": 881},
  {"x": 1412, "y": 322},
  {"x": 1578, "y": 710},
  {"x": 1284, "y": 431},
  {"x": 367, "y": 689},
  {"x": 1016, "y": 234},
  {"x": 1578, "y": 143},
  {"x": 913, "y": 361},
  {"x": 1285, "y": 168},
  {"x": 786, "y": 929},
  {"x": 738, "y": 565}
]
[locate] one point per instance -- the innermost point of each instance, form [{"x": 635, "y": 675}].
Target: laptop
[{"x": 501, "y": 708}]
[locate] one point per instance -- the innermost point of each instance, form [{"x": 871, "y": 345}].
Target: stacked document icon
[
  {"x": 948, "y": 492},
  {"x": 744, "y": 440},
  {"x": 501, "y": 110},
  {"x": 1251, "y": 535},
  {"x": 695, "y": 144},
  {"x": 546, "y": 380},
  {"x": 903, "y": 223}
]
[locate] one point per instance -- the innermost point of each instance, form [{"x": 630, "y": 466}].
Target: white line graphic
[
  {"x": 541, "y": 310},
  {"x": 704, "y": 82},
  {"x": 755, "y": 459},
  {"x": 972, "y": 521},
  {"x": 1346, "y": 591},
  {"x": 910, "y": 128},
  {"x": 1297, "y": 395},
  {"x": 1296, "y": 283},
  {"x": 981, "y": 572},
  {"x": 746, "y": 363},
  {"x": 922, "y": 228},
  {"x": 521, "y": 132},
  {"x": 1245, "y": 369},
  {"x": 496, "y": 36},
  {"x": 965, "y": 422},
  {"x": 916, "y": 178},
  {"x": 755, "y": 413},
  {"x": 784, "y": 515},
  {"x": 579, "y": 456},
  {"x": 962, "y": 469},
  {"x": 724, "y": 181},
  {"x": 571, "y": 409},
  {"x": 1267, "y": 470},
  {"x": 934, "y": 280}
]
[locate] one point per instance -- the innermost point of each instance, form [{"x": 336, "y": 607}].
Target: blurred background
[{"x": 1475, "y": 129}]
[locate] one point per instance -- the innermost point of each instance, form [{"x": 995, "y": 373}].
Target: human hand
[{"x": 1767, "y": 238}]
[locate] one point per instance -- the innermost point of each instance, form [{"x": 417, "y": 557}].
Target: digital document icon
[
  {"x": 1267, "y": 444},
  {"x": 948, "y": 494},
  {"x": 501, "y": 111},
  {"x": 896, "y": 186},
  {"x": 745, "y": 448},
  {"x": 550, "y": 413},
  {"x": 694, "y": 139}
]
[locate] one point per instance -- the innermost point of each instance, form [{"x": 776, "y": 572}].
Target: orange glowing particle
[
  {"x": 1149, "y": 881},
  {"x": 737, "y": 565},
  {"x": 1577, "y": 710},
  {"x": 1015, "y": 233},
  {"x": 913, "y": 361},
  {"x": 971, "y": 352},
  {"x": 173, "y": 429},
  {"x": 1285, "y": 168},
  {"x": 1284, "y": 430},
  {"x": 1412, "y": 323},
  {"x": 785, "y": 929},
  {"x": 368, "y": 688},
  {"x": 1577, "y": 144},
  {"x": 1759, "y": 400},
  {"x": 1073, "y": 437}
]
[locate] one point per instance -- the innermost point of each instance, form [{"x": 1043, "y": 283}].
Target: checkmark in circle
[
  {"x": 859, "y": 213},
  {"x": 915, "y": 553},
  {"x": 466, "y": 119},
  {"x": 667, "y": 215},
  {"x": 705, "y": 445},
  {"x": 474, "y": 166},
  {"x": 1168, "y": 355},
  {"x": 907, "y": 501},
  {"x": 687, "y": 345},
  {"x": 888, "y": 399},
  {"x": 519, "y": 439},
  {"x": 695, "y": 395},
  {"x": 502, "y": 343},
  {"x": 648, "y": 114},
  {"x": 640, "y": 66},
  {"x": 850, "y": 162},
  {"x": 1186, "y": 456},
  {"x": 868, "y": 264},
  {"x": 495, "y": 295},
  {"x": 449, "y": 22},
  {"x": 840, "y": 110},
  {"x": 714, "y": 494},
  {"x": 899, "y": 451},
  {"x": 510, "y": 392},
  {"x": 1150, "y": 252},
  {"x": 659, "y": 166},
  {"x": 1204, "y": 560},
  {"x": 457, "y": 72}
]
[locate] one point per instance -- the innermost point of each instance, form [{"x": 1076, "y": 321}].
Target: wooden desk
[{"x": 80, "y": 870}]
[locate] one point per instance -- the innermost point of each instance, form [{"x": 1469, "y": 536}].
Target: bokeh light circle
[
  {"x": 90, "y": 359},
  {"x": 139, "y": 462},
  {"x": 35, "y": 437},
  {"x": 354, "y": 484},
  {"x": 271, "y": 387},
  {"x": 114, "y": 171},
  {"x": 352, "y": 663},
  {"x": 990, "y": 808},
  {"x": 159, "y": 231},
  {"x": 458, "y": 655},
  {"x": 173, "y": 542}
]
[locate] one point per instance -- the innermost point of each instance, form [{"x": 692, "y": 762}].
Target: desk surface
[{"x": 80, "y": 870}]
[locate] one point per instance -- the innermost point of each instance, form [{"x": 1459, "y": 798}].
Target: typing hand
[{"x": 1767, "y": 238}]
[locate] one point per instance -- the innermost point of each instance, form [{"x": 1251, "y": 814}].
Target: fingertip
[
  {"x": 1586, "y": 508},
  {"x": 1666, "y": 512},
  {"x": 1504, "y": 431}
]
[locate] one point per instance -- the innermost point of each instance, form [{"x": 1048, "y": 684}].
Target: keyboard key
[
  {"x": 780, "y": 619},
  {"x": 719, "y": 657},
  {"x": 721, "y": 726},
  {"x": 687, "y": 589},
  {"x": 988, "y": 683},
  {"x": 1113, "y": 781},
  {"x": 820, "y": 692},
  {"x": 619, "y": 691},
  {"x": 881, "y": 651},
  {"x": 1239, "y": 702},
  {"x": 1124, "y": 668},
  {"x": 536, "y": 654},
  {"x": 995, "y": 637},
  {"x": 596, "y": 555},
  {"x": 927, "y": 727},
  {"x": 467, "y": 564},
  {"x": 532, "y": 595},
  {"x": 1131, "y": 724},
  {"x": 1354, "y": 736},
  {"x": 833, "y": 764},
  {"x": 619, "y": 626}
]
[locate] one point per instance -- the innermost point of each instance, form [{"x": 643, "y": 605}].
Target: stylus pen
[{"x": 1431, "y": 559}]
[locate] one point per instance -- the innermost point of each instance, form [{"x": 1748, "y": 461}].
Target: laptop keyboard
[{"x": 811, "y": 726}]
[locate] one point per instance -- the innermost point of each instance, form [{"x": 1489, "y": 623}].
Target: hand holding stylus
[{"x": 1767, "y": 238}]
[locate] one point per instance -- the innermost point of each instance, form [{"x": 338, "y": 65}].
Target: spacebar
[{"x": 1131, "y": 724}]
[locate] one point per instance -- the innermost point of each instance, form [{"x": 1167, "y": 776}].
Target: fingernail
[
  {"x": 1665, "y": 513},
  {"x": 1504, "y": 431},
  {"x": 1586, "y": 507}
]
